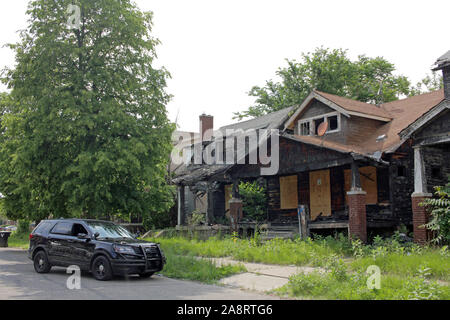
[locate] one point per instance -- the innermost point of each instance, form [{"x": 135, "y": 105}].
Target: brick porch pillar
[
  {"x": 420, "y": 214},
  {"x": 357, "y": 222},
  {"x": 420, "y": 217}
]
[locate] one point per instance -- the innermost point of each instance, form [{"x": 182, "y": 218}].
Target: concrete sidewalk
[{"x": 261, "y": 277}]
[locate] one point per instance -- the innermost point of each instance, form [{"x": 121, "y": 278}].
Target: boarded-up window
[
  {"x": 288, "y": 192},
  {"x": 320, "y": 194},
  {"x": 228, "y": 192},
  {"x": 368, "y": 176}
]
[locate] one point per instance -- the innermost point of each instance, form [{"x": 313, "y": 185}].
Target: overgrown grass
[
  {"x": 391, "y": 256},
  {"x": 276, "y": 251},
  {"x": 340, "y": 283},
  {"x": 189, "y": 267},
  {"x": 402, "y": 265},
  {"x": 393, "y": 287},
  {"x": 407, "y": 265},
  {"x": 399, "y": 259},
  {"x": 19, "y": 240}
]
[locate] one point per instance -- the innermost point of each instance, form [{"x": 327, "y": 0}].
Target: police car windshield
[{"x": 109, "y": 230}]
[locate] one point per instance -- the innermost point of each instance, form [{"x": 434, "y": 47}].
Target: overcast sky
[{"x": 216, "y": 50}]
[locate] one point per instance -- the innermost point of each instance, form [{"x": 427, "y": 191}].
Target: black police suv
[{"x": 104, "y": 248}]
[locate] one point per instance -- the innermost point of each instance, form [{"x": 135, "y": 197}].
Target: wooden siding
[
  {"x": 315, "y": 108},
  {"x": 296, "y": 157},
  {"x": 438, "y": 126},
  {"x": 356, "y": 128}
]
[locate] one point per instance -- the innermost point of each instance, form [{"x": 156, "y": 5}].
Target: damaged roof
[
  {"x": 393, "y": 117},
  {"x": 200, "y": 173},
  {"x": 403, "y": 112},
  {"x": 193, "y": 173},
  {"x": 269, "y": 121},
  {"x": 442, "y": 62}
]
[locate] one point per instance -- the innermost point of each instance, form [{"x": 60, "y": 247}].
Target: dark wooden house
[{"x": 368, "y": 169}]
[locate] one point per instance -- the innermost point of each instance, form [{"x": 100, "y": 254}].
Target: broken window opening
[
  {"x": 401, "y": 171},
  {"x": 436, "y": 173},
  {"x": 333, "y": 123},
  {"x": 305, "y": 129},
  {"x": 310, "y": 126}
]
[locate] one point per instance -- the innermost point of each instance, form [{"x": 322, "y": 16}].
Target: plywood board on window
[
  {"x": 228, "y": 192},
  {"x": 288, "y": 192},
  {"x": 320, "y": 193},
  {"x": 368, "y": 177}
]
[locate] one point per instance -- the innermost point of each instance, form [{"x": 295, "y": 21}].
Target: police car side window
[{"x": 63, "y": 228}]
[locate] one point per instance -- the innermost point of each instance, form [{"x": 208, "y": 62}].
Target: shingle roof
[
  {"x": 269, "y": 121},
  {"x": 402, "y": 112},
  {"x": 356, "y": 106},
  {"x": 323, "y": 142},
  {"x": 191, "y": 174}
]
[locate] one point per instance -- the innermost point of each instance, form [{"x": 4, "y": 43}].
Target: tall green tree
[
  {"x": 332, "y": 71},
  {"x": 431, "y": 82},
  {"x": 87, "y": 134}
]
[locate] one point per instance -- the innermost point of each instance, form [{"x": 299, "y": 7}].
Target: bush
[
  {"x": 157, "y": 220},
  {"x": 254, "y": 200},
  {"x": 196, "y": 218},
  {"x": 440, "y": 214}
]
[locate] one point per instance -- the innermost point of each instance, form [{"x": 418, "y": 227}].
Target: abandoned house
[{"x": 355, "y": 166}]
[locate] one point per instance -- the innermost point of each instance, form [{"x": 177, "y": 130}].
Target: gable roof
[
  {"x": 401, "y": 113},
  {"x": 397, "y": 116},
  {"x": 358, "y": 108},
  {"x": 346, "y": 106}
]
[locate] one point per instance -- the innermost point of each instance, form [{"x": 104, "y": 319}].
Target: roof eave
[
  {"x": 311, "y": 96},
  {"x": 413, "y": 127},
  {"x": 333, "y": 105}
]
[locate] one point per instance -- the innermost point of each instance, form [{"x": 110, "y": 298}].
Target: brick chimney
[
  {"x": 443, "y": 63},
  {"x": 206, "y": 127}
]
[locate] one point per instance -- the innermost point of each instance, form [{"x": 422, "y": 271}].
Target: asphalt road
[{"x": 19, "y": 281}]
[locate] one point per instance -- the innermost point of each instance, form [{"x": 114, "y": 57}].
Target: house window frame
[
  {"x": 308, "y": 128},
  {"x": 312, "y": 128}
]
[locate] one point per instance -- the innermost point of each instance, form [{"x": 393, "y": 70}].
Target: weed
[
  {"x": 357, "y": 248},
  {"x": 191, "y": 268},
  {"x": 421, "y": 287}
]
